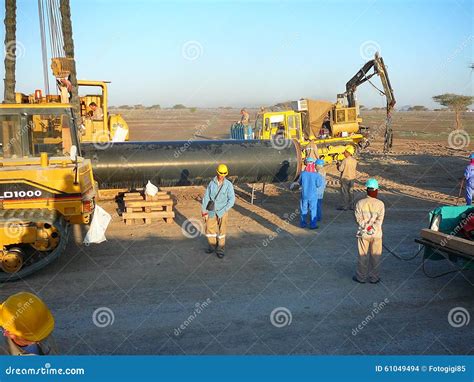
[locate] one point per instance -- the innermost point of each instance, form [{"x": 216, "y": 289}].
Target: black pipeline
[{"x": 186, "y": 163}]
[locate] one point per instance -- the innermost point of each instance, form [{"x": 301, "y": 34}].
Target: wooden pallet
[{"x": 148, "y": 209}]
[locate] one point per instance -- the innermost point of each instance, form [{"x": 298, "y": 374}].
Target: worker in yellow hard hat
[
  {"x": 218, "y": 199},
  {"x": 348, "y": 170},
  {"x": 26, "y": 322}
]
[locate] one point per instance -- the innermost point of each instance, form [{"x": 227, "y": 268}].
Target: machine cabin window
[{"x": 28, "y": 134}]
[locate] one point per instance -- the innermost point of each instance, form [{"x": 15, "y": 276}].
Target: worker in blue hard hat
[
  {"x": 320, "y": 191},
  {"x": 310, "y": 181},
  {"x": 369, "y": 213},
  {"x": 468, "y": 179}
]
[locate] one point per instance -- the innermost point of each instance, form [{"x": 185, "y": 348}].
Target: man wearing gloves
[
  {"x": 369, "y": 213},
  {"x": 310, "y": 182},
  {"x": 218, "y": 199}
]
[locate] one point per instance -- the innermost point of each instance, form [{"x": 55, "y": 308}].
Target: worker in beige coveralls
[{"x": 369, "y": 213}]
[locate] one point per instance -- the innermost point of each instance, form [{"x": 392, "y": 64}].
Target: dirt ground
[{"x": 151, "y": 289}]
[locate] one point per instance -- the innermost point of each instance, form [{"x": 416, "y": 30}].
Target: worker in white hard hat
[
  {"x": 369, "y": 213},
  {"x": 348, "y": 170},
  {"x": 26, "y": 322},
  {"x": 218, "y": 199}
]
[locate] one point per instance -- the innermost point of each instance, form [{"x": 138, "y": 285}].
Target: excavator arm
[{"x": 364, "y": 75}]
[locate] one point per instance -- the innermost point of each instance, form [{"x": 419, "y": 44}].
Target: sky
[{"x": 253, "y": 53}]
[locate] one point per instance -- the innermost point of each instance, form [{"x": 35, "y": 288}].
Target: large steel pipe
[{"x": 185, "y": 163}]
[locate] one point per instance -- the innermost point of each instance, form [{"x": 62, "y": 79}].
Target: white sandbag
[
  {"x": 99, "y": 224},
  {"x": 151, "y": 189},
  {"x": 120, "y": 134}
]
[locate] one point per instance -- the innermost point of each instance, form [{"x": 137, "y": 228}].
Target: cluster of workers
[{"x": 27, "y": 322}]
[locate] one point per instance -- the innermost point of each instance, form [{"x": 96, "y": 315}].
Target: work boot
[
  {"x": 354, "y": 278},
  {"x": 210, "y": 249},
  {"x": 220, "y": 252},
  {"x": 303, "y": 221}
]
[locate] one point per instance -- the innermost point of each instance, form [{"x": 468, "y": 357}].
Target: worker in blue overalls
[
  {"x": 469, "y": 179},
  {"x": 310, "y": 181}
]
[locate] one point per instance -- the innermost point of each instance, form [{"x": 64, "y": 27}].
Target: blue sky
[{"x": 250, "y": 53}]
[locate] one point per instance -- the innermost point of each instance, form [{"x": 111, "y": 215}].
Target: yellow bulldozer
[
  {"x": 103, "y": 128},
  {"x": 45, "y": 185},
  {"x": 329, "y": 126}
]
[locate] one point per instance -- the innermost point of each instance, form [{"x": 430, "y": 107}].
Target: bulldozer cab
[
  {"x": 101, "y": 129},
  {"x": 29, "y": 130},
  {"x": 272, "y": 124},
  {"x": 96, "y": 129}
]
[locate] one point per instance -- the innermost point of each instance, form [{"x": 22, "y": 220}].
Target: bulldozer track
[{"x": 38, "y": 259}]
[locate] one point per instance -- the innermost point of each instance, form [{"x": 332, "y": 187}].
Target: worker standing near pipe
[
  {"x": 218, "y": 199},
  {"x": 348, "y": 170},
  {"x": 469, "y": 179},
  {"x": 310, "y": 182},
  {"x": 26, "y": 323},
  {"x": 320, "y": 191},
  {"x": 369, "y": 213}
]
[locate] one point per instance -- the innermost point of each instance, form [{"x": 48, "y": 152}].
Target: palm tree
[
  {"x": 10, "y": 51},
  {"x": 66, "y": 26}
]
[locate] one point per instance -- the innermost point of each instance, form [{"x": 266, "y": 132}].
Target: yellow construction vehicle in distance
[
  {"x": 332, "y": 127},
  {"x": 45, "y": 185},
  {"x": 106, "y": 128},
  {"x": 111, "y": 127}
]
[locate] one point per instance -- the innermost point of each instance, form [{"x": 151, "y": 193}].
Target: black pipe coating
[{"x": 185, "y": 163}]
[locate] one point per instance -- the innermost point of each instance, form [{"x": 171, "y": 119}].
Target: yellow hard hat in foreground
[
  {"x": 222, "y": 170},
  {"x": 350, "y": 149},
  {"x": 26, "y": 316}
]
